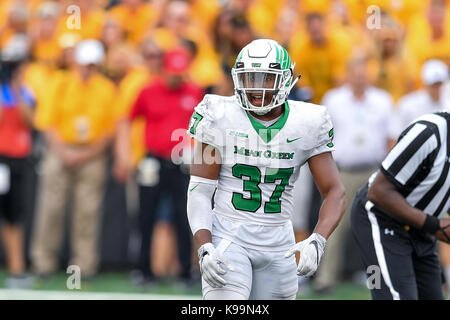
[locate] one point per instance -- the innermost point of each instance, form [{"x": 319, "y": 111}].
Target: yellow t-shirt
[
  {"x": 129, "y": 89},
  {"x": 34, "y": 74},
  {"x": 320, "y": 67},
  {"x": 401, "y": 10},
  {"x": 47, "y": 50},
  {"x": 421, "y": 45},
  {"x": 137, "y": 22},
  {"x": 90, "y": 24},
  {"x": 80, "y": 113},
  {"x": 395, "y": 75},
  {"x": 205, "y": 69},
  {"x": 204, "y": 13},
  {"x": 261, "y": 19}
]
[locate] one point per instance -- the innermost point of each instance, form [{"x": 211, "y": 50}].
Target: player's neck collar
[{"x": 267, "y": 133}]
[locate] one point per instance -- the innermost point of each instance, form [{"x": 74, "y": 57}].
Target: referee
[{"x": 397, "y": 217}]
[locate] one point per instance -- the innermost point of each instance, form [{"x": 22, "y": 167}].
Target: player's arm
[
  {"x": 392, "y": 181},
  {"x": 122, "y": 150},
  {"x": 204, "y": 172},
  {"x": 326, "y": 176},
  {"x": 385, "y": 195},
  {"x": 328, "y": 181}
]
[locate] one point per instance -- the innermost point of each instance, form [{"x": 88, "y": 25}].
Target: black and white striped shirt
[{"x": 419, "y": 164}]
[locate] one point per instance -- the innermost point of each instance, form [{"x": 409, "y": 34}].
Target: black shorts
[
  {"x": 13, "y": 203},
  {"x": 406, "y": 259}
]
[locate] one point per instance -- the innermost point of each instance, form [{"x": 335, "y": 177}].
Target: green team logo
[
  {"x": 331, "y": 135},
  {"x": 256, "y": 65},
  {"x": 289, "y": 140}
]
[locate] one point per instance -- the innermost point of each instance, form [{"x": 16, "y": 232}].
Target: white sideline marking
[{"x": 19, "y": 294}]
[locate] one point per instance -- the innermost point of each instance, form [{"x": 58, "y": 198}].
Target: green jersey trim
[{"x": 267, "y": 133}]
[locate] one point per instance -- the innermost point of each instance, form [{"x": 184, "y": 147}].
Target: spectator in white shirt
[
  {"x": 426, "y": 100},
  {"x": 360, "y": 114}
]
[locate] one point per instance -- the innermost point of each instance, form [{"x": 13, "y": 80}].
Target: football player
[{"x": 248, "y": 153}]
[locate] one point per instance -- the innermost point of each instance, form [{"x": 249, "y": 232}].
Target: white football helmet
[{"x": 263, "y": 76}]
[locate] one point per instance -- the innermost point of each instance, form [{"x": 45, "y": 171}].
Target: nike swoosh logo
[
  {"x": 194, "y": 187},
  {"x": 289, "y": 141},
  {"x": 314, "y": 242}
]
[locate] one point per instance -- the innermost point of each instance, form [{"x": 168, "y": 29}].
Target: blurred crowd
[{"x": 93, "y": 89}]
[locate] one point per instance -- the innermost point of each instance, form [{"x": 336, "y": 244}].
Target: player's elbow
[{"x": 375, "y": 194}]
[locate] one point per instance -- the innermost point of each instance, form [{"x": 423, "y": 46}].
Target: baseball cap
[
  {"x": 434, "y": 71},
  {"x": 89, "y": 51},
  {"x": 176, "y": 61}
]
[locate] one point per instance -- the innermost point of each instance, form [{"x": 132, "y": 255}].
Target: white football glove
[
  {"x": 311, "y": 251},
  {"x": 210, "y": 259}
]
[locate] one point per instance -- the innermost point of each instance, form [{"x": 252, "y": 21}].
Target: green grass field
[{"x": 114, "y": 285}]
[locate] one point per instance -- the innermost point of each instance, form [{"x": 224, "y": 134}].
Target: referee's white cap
[
  {"x": 89, "y": 51},
  {"x": 434, "y": 71}
]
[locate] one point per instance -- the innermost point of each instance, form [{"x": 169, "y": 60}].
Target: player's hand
[
  {"x": 311, "y": 251},
  {"x": 444, "y": 233},
  {"x": 210, "y": 259}
]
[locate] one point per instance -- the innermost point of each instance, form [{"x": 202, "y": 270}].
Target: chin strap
[
  {"x": 261, "y": 113},
  {"x": 294, "y": 82}
]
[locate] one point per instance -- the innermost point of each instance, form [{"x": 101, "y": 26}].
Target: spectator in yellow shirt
[
  {"x": 112, "y": 35},
  {"x": 204, "y": 13},
  {"x": 136, "y": 17},
  {"x": 176, "y": 25},
  {"x": 391, "y": 68},
  {"x": 321, "y": 55},
  {"x": 77, "y": 119},
  {"x": 39, "y": 70},
  {"x": 44, "y": 38},
  {"x": 83, "y": 17},
  {"x": 14, "y": 32},
  {"x": 135, "y": 79},
  {"x": 429, "y": 34},
  {"x": 287, "y": 23}
]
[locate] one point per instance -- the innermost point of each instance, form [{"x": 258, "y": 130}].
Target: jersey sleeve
[
  {"x": 323, "y": 134},
  {"x": 412, "y": 157},
  {"x": 204, "y": 124}
]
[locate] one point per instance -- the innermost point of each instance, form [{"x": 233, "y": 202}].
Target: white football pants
[{"x": 257, "y": 275}]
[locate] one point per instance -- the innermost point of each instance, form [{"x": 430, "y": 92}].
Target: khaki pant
[
  {"x": 86, "y": 184},
  {"x": 330, "y": 265}
]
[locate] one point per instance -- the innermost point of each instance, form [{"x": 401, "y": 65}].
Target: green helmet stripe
[
  {"x": 278, "y": 54},
  {"x": 286, "y": 59},
  {"x": 289, "y": 60},
  {"x": 239, "y": 56}
]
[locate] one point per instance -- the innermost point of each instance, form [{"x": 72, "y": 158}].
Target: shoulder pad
[
  {"x": 203, "y": 125},
  {"x": 315, "y": 124}
]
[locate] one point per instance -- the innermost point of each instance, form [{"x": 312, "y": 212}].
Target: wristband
[{"x": 431, "y": 225}]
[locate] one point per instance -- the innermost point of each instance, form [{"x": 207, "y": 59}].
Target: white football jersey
[{"x": 254, "y": 197}]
